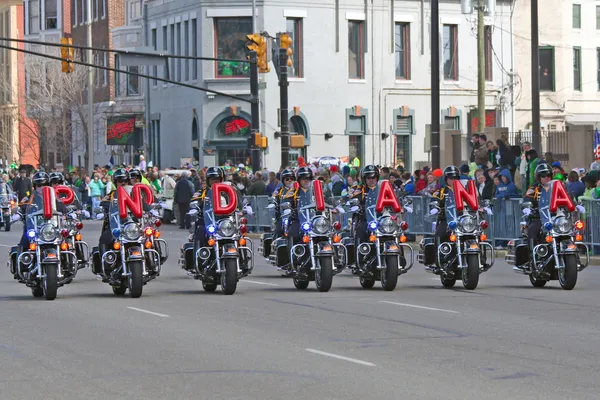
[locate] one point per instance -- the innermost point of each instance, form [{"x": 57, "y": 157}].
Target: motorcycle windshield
[
  {"x": 451, "y": 213},
  {"x": 371, "y": 204},
  {"x": 113, "y": 215},
  {"x": 306, "y": 203},
  {"x": 5, "y": 199},
  {"x": 35, "y": 211},
  {"x": 544, "y": 204}
]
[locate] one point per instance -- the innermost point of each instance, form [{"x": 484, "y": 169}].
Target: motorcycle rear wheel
[
  {"x": 300, "y": 284},
  {"x": 209, "y": 286},
  {"x": 366, "y": 283},
  {"x": 535, "y": 282}
]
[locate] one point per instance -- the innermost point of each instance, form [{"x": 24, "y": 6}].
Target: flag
[{"x": 597, "y": 144}]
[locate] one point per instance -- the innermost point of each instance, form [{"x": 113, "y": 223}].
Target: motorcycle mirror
[
  {"x": 526, "y": 204},
  {"x": 435, "y": 204},
  {"x": 285, "y": 206},
  {"x": 354, "y": 202},
  {"x": 194, "y": 204},
  {"x": 98, "y": 210}
]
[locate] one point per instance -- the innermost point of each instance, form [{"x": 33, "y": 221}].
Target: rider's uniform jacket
[
  {"x": 440, "y": 196},
  {"x": 353, "y": 189},
  {"x": 283, "y": 195},
  {"x": 362, "y": 193},
  {"x": 532, "y": 195}
]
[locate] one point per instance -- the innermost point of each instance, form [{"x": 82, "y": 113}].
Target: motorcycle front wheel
[
  {"x": 324, "y": 275},
  {"x": 389, "y": 277},
  {"x": 136, "y": 280},
  {"x": 229, "y": 276},
  {"x": 470, "y": 275},
  {"x": 567, "y": 277},
  {"x": 50, "y": 281}
]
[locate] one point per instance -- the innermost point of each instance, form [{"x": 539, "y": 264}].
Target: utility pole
[
  {"x": 535, "y": 80},
  {"x": 481, "y": 66},
  {"x": 255, "y": 120},
  {"x": 283, "y": 107},
  {"x": 435, "y": 84},
  {"x": 90, "y": 122}
]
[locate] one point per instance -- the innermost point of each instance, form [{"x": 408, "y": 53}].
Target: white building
[{"x": 360, "y": 70}]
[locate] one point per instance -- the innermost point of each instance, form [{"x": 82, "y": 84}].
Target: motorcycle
[
  {"x": 7, "y": 204},
  {"x": 558, "y": 256},
  {"x": 74, "y": 239},
  {"x": 382, "y": 257},
  {"x": 48, "y": 263},
  {"x": 314, "y": 259},
  {"x": 461, "y": 256},
  {"x": 136, "y": 257},
  {"x": 228, "y": 256}
]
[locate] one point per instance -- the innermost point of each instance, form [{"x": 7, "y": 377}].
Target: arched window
[
  {"x": 195, "y": 143},
  {"x": 233, "y": 127}
]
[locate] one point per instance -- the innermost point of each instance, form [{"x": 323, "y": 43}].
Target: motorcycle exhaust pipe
[
  {"x": 364, "y": 249},
  {"x": 299, "y": 251},
  {"x": 445, "y": 249},
  {"x": 204, "y": 254}
]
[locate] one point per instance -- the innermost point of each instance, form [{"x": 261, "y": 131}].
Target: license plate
[
  {"x": 571, "y": 247},
  {"x": 393, "y": 247},
  {"x": 136, "y": 253},
  {"x": 51, "y": 255},
  {"x": 232, "y": 250},
  {"x": 474, "y": 246},
  {"x": 326, "y": 248}
]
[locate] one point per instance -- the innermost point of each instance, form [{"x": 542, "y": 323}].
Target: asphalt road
[{"x": 505, "y": 340}]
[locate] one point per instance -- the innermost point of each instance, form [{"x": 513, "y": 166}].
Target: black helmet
[
  {"x": 56, "y": 178},
  {"x": 135, "y": 173},
  {"x": 304, "y": 172},
  {"x": 369, "y": 171},
  {"x": 41, "y": 178},
  {"x": 215, "y": 172},
  {"x": 542, "y": 170},
  {"x": 120, "y": 175},
  {"x": 451, "y": 172},
  {"x": 287, "y": 173}
]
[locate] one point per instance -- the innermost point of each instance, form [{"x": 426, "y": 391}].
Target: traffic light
[
  {"x": 258, "y": 44},
  {"x": 264, "y": 142},
  {"x": 285, "y": 42},
  {"x": 67, "y": 53}
]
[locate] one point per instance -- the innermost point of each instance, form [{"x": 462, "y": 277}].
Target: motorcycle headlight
[
  {"x": 226, "y": 228},
  {"x": 321, "y": 226},
  {"x": 387, "y": 225},
  {"x": 48, "y": 233},
  {"x": 562, "y": 225},
  {"x": 132, "y": 231},
  {"x": 468, "y": 224}
]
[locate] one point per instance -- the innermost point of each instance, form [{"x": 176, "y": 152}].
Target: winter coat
[{"x": 506, "y": 190}]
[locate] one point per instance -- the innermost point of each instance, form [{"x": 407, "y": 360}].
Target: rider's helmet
[
  {"x": 135, "y": 173},
  {"x": 120, "y": 175},
  {"x": 451, "y": 172},
  {"x": 215, "y": 173},
  {"x": 369, "y": 171},
  {"x": 543, "y": 171},
  {"x": 304, "y": 172},
  {"x": 40, "y": 178},
  {"x": 56, "y": 178},
  {"x": 287, "y": 173}
]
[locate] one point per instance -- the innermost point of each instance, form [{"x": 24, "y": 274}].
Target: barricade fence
[{"x": 504, "y": 223}]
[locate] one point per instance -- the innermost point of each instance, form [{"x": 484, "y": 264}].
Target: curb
[{"x": 415, "y": 246}]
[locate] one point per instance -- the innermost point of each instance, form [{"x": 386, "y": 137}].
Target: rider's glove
[
  {"x": 408, "y": 209},
  {"x": 72, "y": 215},
  {"x": 340, "y": 210},
  {"x": 580, "y": 208},
  {"x": 15, "y": 218},
  {"x": 354, "y": 209},
  {"x": 526, "y": 211},
  {"x": 433, "y": 211},
  {"x": 85, "y": 213},
  {"x": 100, "y": 216},
  {"x": 271, "y": 206},
  {"x": 488, "y": 210},
  {"x": 162, "y": 205},
  {"x": 154, "y": 213},
  {"x": 193, "y": 211},
  {"x": 248, "y": 211}
]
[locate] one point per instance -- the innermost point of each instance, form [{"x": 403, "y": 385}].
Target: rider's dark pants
[
  {"x": 294, "y": 234},
  {"x": 533, "y": 232},
  {"x": 199, "y": 236},
  {"x": 361, "y": 235}
]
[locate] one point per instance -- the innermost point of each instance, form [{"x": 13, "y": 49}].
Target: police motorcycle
[
  {"x": 382, "y": 258},
  {"x": 7, "y": 205},
  {"x": 558, "y": 256},
  {"x": 464, "y": 255},
  {"x": 313, "y": 258},
  {"x": 227, "y": 256},
  {"x": 134, "y": 259},
  {"x": 48, "y": 262}
]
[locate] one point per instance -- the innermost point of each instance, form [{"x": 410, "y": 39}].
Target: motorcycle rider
[
  {"x": 369, "y": 177},
  {"x": 285, "y": 194},
  {"x": 40, "y": 179},
  {"x": 213, "y": 175},
  {"x": 543, "y": 177},
  {"x": 120, "y": 179},
  {"x": 300, "y": 197},
  {"x": 58, "y": 179}
]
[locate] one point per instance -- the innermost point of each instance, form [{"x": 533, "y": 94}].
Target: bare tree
[{"x": 53, "y": 100}]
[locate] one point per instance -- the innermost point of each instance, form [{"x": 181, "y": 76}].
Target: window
[
  {"x": 165, "y": 49},
  {"x": 94, "y": 9},
  {"x": 450, "y": 52},
  {"x": 186, "y": 50},
  {"x": 576, "y": 16},
  {"x": 597, "y": 17},
  {"x": 5, "y": 60},
  {"x": 104, "y": 71},
  {"x": 96, "y": 71},
  {"x": 577, "y": 69},
  {"x": 83, "y": 9},
  {"x": 402, "y": 49},
  {"x": 154, "y": 46},
  {"x": 133, "y": 82},
  {"x": 404, "y": 125},
  {"x": 356, "y": 59},
  {"x": 103, "y": 6},
  {"x": 452, "y": 123},
  {"x": 172, "y": 75},
  {"x": 194, "y": 50},
  {"x": 34, "y": 16},
  {"x": 117, "y": 76},
  {"x": 230, "y": 43},
  {"x": 135, "y": 10},
  {"x": 178, "y": 50},
  {"x": 294, "y": 28},
  {"x": 51, "y": 14},
  {"x": 489, "y": 64},
  {"x": 546, "y": 55},
  {"x": 75, "y": 13},
  {"x": 598, "y": 67}
]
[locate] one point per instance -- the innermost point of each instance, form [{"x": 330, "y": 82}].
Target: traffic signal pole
[
  {"x": 435, "y": 84},
  {"x": 254, "y": 111},
  {"x": 283, "y": 107}
]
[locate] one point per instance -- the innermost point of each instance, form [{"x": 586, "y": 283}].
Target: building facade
[
  {"x": 569, "y": 33},
  {"x": 361, "y": 69},
  {"x": 18, "y": 134}
]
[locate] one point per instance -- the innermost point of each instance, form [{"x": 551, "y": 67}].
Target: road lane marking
[
  {"x": 149, "y": 312},
  {"x": 353, "y": 360},
  {"x": 421, "y": 307},
  {"x": 260, "y": 283},
  {"x": 5, "y": 245}
]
